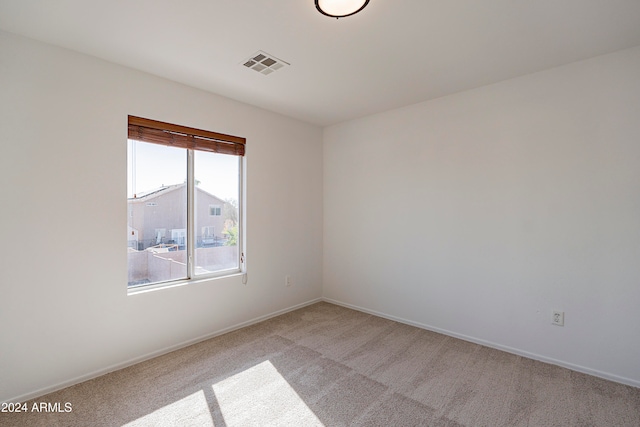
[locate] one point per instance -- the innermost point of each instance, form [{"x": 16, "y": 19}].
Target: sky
[{"x": 152, "y": 166}]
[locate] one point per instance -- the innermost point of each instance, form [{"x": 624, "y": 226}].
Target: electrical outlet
[
  {"x": 288, "y": 281},
  {"x": 557, "y": 318}
]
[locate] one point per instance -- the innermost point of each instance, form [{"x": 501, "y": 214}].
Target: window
[
  {"x": 184, "y": 203},
  {"x": 160, "y": 232}
]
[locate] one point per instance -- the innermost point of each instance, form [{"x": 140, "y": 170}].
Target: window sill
[{"x": 142, "y": 289}]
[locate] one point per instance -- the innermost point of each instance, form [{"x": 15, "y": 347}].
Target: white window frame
[{"x": 191, "y": 233}]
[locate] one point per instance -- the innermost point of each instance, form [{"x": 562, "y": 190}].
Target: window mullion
[{"x": 191, "y": 237}]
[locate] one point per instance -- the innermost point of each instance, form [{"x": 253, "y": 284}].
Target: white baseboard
[
  {"x": 148, "y": 356},
  {"x": 131, "y": 362},
  {"x": 573, "y": 367}
]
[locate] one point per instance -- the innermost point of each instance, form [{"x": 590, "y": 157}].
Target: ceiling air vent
[{"x": 264, "y": 63}]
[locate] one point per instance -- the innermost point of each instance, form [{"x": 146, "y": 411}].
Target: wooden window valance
[{"x": 147, "y": 130}]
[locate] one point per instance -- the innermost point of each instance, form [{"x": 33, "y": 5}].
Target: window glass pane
[
  {"x": 216, "y": 211},
  {"x": 157, "y": 213}
]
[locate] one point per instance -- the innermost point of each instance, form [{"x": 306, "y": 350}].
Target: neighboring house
[{"x": 159, "y": 218}]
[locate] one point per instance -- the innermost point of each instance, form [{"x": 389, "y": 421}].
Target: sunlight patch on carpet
[
  {"x": 192, "y": 410},
  {"x": 260, "y": 396}
]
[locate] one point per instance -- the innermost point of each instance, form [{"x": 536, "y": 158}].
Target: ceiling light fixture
[{"x": 340, "y": 8}]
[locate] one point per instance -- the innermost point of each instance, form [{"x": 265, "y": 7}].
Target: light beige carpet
[{"x": 328, "y": 365}]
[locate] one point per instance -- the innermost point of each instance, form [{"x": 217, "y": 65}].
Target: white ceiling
[{"x": 392, "y": 54}]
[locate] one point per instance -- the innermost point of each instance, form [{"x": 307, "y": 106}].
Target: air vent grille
[{"x": 264, "y": 63}]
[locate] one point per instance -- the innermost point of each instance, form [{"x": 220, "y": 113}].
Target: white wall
[
  {"x": 479, "y": 213},
  {"x": 64, "y": 309}
]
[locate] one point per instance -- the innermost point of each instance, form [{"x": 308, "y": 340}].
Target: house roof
[
  {"x": 152, "y": 194},
  {"x": 155, "y": 192}
]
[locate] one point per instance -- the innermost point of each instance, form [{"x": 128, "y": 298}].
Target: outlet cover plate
[{"x": 557, "y": 318}]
